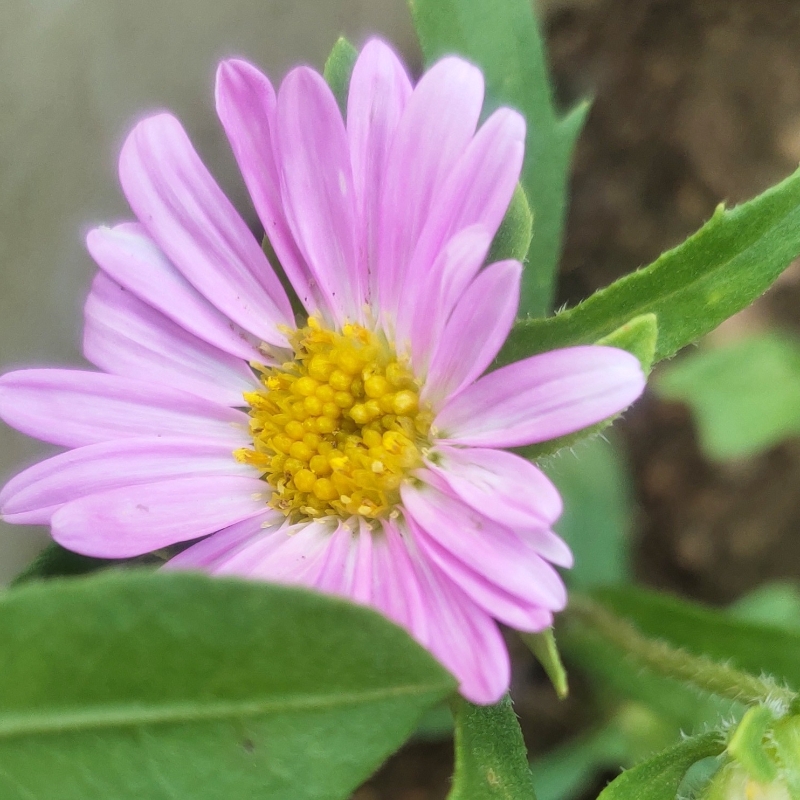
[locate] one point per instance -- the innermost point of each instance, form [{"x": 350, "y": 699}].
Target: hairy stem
[{"x": 664, "y": 659}]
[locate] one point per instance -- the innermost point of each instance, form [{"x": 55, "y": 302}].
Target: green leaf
[
  {"x": 631, "y": 735},
  {"x": 716, "y": 272},
  {"x": 745, "y": 395},
  {"x": 173, "y": 686},
  {"x": 786, "y": 740},
  {"x": 543, "y": 646},
  {"x": 746, "y": 744},
  {"x": 659, "y": 778},
  {"x": 56, "y": 561},
  {"x": 598, "y": 511},
  {"x": 774, "y": 603},
  {"x": 436, "y": 724},
  {"x": 638, "y": 336},
  {"x": 504, "y": 39},
  {"x": 744, "y": 645},
  {"x": 696, "y": 781},
  {"x": 338, "y": 69},
  {"x": 491, "y": 761},
  {"x": 513, "y": 237}
]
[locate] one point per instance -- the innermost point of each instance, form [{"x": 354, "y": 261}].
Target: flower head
[{"x": 352, "y": 447}]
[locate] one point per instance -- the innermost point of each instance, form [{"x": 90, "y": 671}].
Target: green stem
[{"x": 663, "y": 659}]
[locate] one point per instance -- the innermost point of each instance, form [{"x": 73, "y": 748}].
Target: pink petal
[
  {"x": 336, "y": 565},
  {"x": 542, "y": 397},
  {"x": 205, "y": 554},
  {"x": 379, "y": 91},
  {"x": 437, "y": 125},
  {"x": 361, "y": 585},
  {"x": 126, "y": 337},
  {"x": 193, "y": 222},
  {"x": 499, "y": 485},
  {"x": 492, "y": 598},
  {"x": 74, "y": 408},
  {"x": 348, "y": 569},
  {"x": 397, "y": 591},
  {"x": 460, "y": 634},
  {"x": 549, "y": 545},
  {"x": 292, "y": 554},
  {"x": 128, "y": 255},
  {"x": 477, "y": 190},
  {"x": 317, "y": 184},
  {"x": 132, "y": 520},
  {"x": 33, "y": 496},
  {"x": 475, "y": 332},
  {"x": 487, "y": 548},
  {"x": 423, "y": 314},
  {"x": 246, "y": 107}
]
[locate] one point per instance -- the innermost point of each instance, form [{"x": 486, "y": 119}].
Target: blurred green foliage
[{"x": 745, "y": 395}]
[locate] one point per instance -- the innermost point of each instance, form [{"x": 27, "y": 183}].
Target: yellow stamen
[{"x": 336, "y": 430}]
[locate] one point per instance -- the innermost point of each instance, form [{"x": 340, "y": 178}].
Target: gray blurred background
[{"x": 74, "y": 75}]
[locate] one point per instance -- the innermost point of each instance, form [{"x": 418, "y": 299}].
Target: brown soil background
[{"x": 695, "y": 102}]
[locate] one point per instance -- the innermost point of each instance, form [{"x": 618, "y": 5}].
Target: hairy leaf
[
  {"x": 491, "y": 761},
  {"x": 716, "y": 272},
  {"x": 658, "y": 778}
]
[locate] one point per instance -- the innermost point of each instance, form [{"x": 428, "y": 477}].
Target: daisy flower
[{"x": 351, "y": 444}]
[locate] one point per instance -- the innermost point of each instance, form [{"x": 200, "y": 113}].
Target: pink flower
[{"x": 355, "y": 451}]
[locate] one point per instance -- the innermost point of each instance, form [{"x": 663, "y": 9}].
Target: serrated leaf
[
  {"x": 745, "y": 395},
  {"x": 513, "y": 237},
  {"x": 659, "y": 777},
  {"x": 543, "y": 646},
  {"x": 491, "y": 761},
  {"x": 338, "y": 69},
  {"x": 719, "y": 270},
  {"x": 598, "y": 511},
  {"x": 170, "y": 686},
  {"x": 504, "y": 39},
  {"x": 755, "y": 648}
]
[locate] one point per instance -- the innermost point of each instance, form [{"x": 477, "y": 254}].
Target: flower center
[{"x": 337, "y": 429}]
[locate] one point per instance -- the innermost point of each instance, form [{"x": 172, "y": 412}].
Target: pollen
[{"x": 338, "y": 428}]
